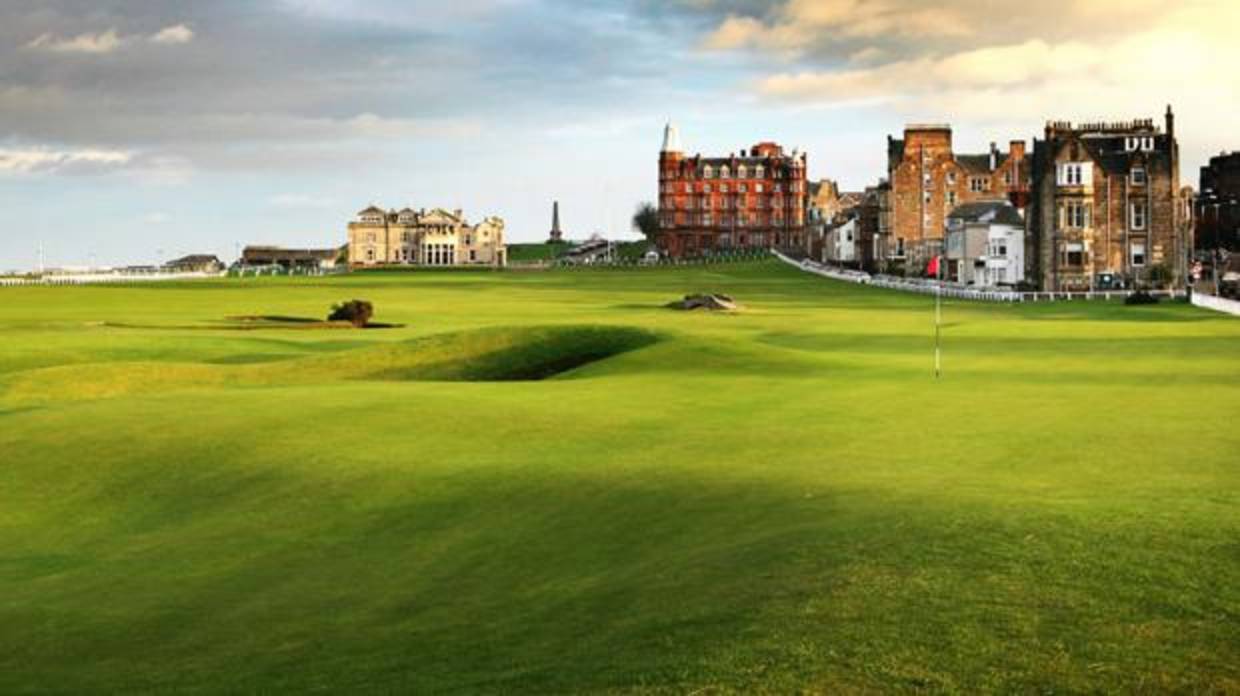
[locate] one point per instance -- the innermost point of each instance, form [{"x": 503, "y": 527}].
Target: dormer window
[
  {"x": 1138, "y": 176},
  {"x": 759, "y": 171},
  {"x": 741, "y": 172},
  {"x": 724, "y": 172},
  {"x": 708, "y": 172},
  {"x": 1131, "y": 144},
  {"x": 1075, "y": 174},
  {"x": 1147, "y": 144}
]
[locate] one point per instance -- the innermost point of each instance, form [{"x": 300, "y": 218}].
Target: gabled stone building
[
  {"x": 1107, "y": 206},
  {"x": 928, "y": 180},
  {"x": 435, "y": 237},
  {"x": 1217, "y": 204},
  {"x": 755, "y": 199}
]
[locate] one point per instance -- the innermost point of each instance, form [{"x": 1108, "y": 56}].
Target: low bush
[
  {"x": 1141, "y": 297},
  {"x": 357, "y": 312}
]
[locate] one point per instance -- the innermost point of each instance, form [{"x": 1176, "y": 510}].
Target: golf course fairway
[{"x": 547, "y": 482}]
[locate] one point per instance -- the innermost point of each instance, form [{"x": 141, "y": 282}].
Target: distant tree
[
  {"x": 357, "y": 312},
  {"x": 646, "y": 220}
]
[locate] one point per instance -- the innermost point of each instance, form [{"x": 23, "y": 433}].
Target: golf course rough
[{"x": 548, "y": 483}]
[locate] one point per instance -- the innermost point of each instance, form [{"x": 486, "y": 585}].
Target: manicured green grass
[{"x": 778, "y": 500}]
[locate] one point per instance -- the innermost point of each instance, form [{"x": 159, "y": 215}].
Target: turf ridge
[{"x": 496, "y": 354}]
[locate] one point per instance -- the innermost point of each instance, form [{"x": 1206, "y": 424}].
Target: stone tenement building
[
  {"x": 1107, "y": 206},
  {"x": 434, "y": 237},
  {"x": 928, "y": 180},
  {"x": 1217, "y": 208},
  {"x": 751, "y": 200}
]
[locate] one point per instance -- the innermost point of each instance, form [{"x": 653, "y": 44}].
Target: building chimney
[
  {"x": 1170, "y": 123},
  {"x": 994, "y": 156},
  {"x": 1016, "y": 150}
]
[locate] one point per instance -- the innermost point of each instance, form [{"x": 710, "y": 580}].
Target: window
[
  {"x": 707, "y": 172},
  {"x": 706, "y": 219},
  {"x": 473, "y": 255},
  {"x": 1007, "y": 178},
  {"x": 1147, "y": 144},
  {"x": 951, "y": 198},
  {"x": 900, "y": 247},
  {"x": 741, "y": 172},
  {"x": 757, "y": 188},
  {"x": 926, "y": 195},
  {"x": 1074, "y": 254},
  {"x": 1138, "y": 212},
  {"x": 725, "y": 172},
  {"x": 1137, "y": 253},
  {"x": 469, "y": 240},
  {"x": 977, "y": 184},
  {"x": 951, "y": 178},
  {"x": 1075, "y": 215},
  {"x": 1131, "y": 144},
  {"x": 1075, "y": 174},
  {"x": 760, "y": 171},
  {"x": 1138, "y": 176},
  {"x": 706, "y": 188},
  {"x": 370, "y": 254},
  {"x": 742, "y": 188},
  {"x": 779, "y": 188}
]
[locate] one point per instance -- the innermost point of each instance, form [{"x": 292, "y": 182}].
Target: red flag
[{"x": 933, "y": 268}]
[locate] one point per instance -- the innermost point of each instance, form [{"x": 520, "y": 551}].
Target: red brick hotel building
[{"x": 751, "y": 200}]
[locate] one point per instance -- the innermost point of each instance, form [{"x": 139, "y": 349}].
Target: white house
[
  {"x": 986, "y": 244},
  {"x": 839, "y": 245}
]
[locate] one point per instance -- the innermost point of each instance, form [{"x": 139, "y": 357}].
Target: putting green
[{"x": 546, "y": 482}]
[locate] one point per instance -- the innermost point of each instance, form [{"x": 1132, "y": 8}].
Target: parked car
[{"x": 1109, "y": 281}]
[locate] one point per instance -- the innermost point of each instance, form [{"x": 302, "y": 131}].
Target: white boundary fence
[
  {"x": 96, "y": 278},
  {"x": 927, "y": 286},
  {"x": 1218, "y": 304}
]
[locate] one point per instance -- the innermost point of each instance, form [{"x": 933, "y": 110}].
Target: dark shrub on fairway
[
  {"x": 1140, "y": 297},
  {"x": 358, "y": 312}
]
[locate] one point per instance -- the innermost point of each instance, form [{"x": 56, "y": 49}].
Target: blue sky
[{"x": 132, "y": 131}]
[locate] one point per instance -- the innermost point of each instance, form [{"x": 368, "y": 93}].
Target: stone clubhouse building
[{"x": 434, "y": 237}]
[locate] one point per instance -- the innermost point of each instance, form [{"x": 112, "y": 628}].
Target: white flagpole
[{"x": 938, "y": 315}]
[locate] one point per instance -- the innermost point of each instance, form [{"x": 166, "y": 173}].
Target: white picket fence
[
  {"x": 96, "y": 278},
  {"x": 926, "y": 286},
  {"x": 1218, "y": 304}
]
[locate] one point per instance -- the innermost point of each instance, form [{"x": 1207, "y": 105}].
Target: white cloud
[
  {"x": 46, "y": 160},
  {"x": 175, "y": 34},
  {"x": 157, "y": 218},
  {"x": 108, "y": 41},
  {"x": 104, "y": 42},
  {"x": 795, "y": 26}
]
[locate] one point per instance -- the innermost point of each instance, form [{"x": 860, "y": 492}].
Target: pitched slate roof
[
  {"x": 976, "y": 164},
  {"x": 1000, "y": 212}
]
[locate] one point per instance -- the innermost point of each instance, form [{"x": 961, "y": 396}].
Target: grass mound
[{"x": 486, "y": 355}]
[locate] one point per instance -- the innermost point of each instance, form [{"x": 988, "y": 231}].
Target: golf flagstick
[{"x": 938, "y": 315}]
